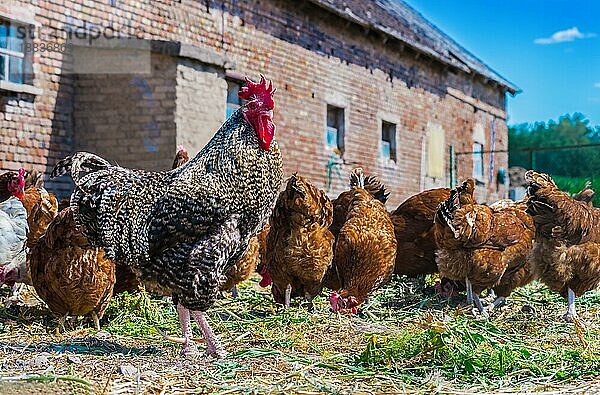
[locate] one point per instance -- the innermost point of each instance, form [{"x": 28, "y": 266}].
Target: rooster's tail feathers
[{"x": 78, "y": 163}]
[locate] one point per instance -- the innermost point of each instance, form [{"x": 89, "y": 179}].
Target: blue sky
[{"x": 548, "y": 48}]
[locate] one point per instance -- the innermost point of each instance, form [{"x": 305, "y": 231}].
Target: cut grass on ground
[{"x": 404, "y": 340}]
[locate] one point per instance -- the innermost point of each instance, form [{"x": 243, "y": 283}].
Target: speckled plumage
[
  {"x": 299, "y": 245},
  {"x": 181, "y": 229}
]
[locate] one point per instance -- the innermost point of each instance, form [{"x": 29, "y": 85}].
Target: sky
[{"x": 550, "y": 49}]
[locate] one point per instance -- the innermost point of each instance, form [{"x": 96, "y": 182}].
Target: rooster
[
  {"x": 243, "y": 269},
  {"x": 567, "y": 241},
  {"x": 183, "y": 229},
  {"x": 299, "y": 243},
  {"x": 477, "y": 244},
  {"x": 365, "y": 249}
]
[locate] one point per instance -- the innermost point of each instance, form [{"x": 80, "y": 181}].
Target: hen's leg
[
  {"x": 469, "y": 291},
  {"x": 96, "y": 321},
  {"x": 15, "y": 298},
  {"x": 186, "y": 329},
  {"x": 213, "y": 346},
  {"x": 571, "y": 313},
  {"x": 499, "y": 301},
  {"x": 479, "y": 306},
  {"x": 288, "y": 295},
  {"x": 234, "y": 292}
]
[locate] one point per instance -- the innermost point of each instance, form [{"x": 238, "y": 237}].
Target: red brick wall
[{"x": 313, "y": 59}]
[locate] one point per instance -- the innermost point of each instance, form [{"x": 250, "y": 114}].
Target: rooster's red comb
[{"x": 253, "y": 89}]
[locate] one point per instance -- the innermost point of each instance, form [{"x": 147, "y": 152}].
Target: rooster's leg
[
  {"x": 184, "y": 320},
  {"x": 234, "y": 292},
  {"x": 213, "y": 346},
  {"x": 571, "y": 313},
  {"x": 469, "y": 291},
  {"x": 288, "y": 295}
]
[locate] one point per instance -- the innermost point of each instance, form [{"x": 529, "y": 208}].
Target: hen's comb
[
  {"x": 181, "y": 147},
  {"x": 254, "y": 89},
  {"x": 22, "y": 175}
]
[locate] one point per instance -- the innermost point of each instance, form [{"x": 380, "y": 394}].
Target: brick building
[{"x": 370, "y": 83}]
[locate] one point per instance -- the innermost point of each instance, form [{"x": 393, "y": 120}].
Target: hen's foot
[
  {"x": 479, "y": 310},
  {"x": 569, "y": 316},
  {"x": 496, "y": 304},
  {"x": 528, "y": 309}
]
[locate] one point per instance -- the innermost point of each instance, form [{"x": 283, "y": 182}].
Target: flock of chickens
[{"x": 213, "y": 220}]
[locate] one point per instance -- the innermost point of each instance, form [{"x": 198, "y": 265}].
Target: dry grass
[{"x": 406, "y": 340}]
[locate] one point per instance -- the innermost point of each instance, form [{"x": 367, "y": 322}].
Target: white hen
[{"x": 13, "y": 236}]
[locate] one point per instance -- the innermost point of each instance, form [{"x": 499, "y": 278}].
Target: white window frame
[{"x": 21, "y": 17}]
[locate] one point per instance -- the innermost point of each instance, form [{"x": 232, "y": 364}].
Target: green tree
[{"x": 568, "y": 131}]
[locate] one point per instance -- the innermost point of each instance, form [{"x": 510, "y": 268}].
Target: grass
[
  {"x": 406, "y": 339},
  {"x": 575, "y": 184}
]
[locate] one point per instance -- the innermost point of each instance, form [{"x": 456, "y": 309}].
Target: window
[
  {"x": 478, "y": 161},
  {"x": 12, "y": 52},
  {"x": 233, "y": 100},
  {"x": 388, "y": 140},
  {"x": 335, "y": 129}
]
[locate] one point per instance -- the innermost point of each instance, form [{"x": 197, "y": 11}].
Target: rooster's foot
[{"x": 216, "y": 352}]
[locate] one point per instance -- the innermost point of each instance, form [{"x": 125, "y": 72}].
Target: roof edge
[{"x": 348, "y": 15}]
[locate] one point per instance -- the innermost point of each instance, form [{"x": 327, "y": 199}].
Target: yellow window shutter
[{"x": 435, "y": 151}]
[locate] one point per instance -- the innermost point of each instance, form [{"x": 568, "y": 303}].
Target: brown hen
[
  {"x": 413, "y": 227},
  {"x": 299, "y": 246},
  {"x": 73, "y": 278},
  {"x": 365, "y": 249},
  {"x": 519, "y": 272},
  {"x": 477, "y": 244},
  {"x": 567, "y": 241},
  {"x": 41, "y": 208},
  {"x": 340, "y": 205}
]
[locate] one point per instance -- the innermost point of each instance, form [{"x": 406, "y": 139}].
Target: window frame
[
  {"x": 8, "y": 53},
  {"x": 479, "y": 177},
  {"x": 20, "y": 18},
  {"x": 239, "y": 83},
  {"x": 393, "y": 154},
  {"x": 340, "y": 130}
]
